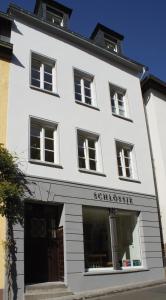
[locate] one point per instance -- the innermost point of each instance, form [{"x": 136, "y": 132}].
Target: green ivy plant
[{"x": 13, "y": 186}]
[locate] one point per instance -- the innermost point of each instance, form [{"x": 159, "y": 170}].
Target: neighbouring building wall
[
  {"x": 4, "y": 76},
  {"x": 156, "y": 113}
]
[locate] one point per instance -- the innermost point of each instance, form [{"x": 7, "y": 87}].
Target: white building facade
[{"x": 76, "y": 120}]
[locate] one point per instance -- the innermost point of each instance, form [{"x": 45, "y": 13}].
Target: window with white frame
[
  {"x": 110, "y": 44},
  {"x": 118, "y": 101},
  {"x": 43, "y": 142},
  {"x": 88, "y": 151},
  {"x": 54, "y": 16},
  {"x": 84, "y": 88},
  {"x": 125, "y": 160},
  {"x": 43, "y": 73}
]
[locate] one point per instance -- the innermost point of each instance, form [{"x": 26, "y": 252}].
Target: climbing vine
[{"x": 13, "y": 186}]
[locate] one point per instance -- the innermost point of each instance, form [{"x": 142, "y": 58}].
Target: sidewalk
[{"x": 107, "y": 291}]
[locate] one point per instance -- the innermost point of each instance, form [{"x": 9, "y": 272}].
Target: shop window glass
[
  {"x": 128, "y": 239},
  {"x": 97, "y": 241}
]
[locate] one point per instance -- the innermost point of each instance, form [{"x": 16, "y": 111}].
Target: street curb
[
  {"x": 107, "y": 291},
  {"x": 118, "y": 289}
]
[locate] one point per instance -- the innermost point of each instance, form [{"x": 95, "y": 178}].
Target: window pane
[
  {"x": 78, "y": 89},
  {"x": 81, "y": 141},
  {"x": 113, "y": 104},
  {"x": 126, "y": 152},
  {"x": 82, "y": 163},
  {"x": 49, "y": 144},
  {"x": 49, "y": 156},
  {"x": 77, "y": 80},
  {"x": 97, "y": 242},
  {"x": 127, "y": 162},
  {"x": 53, "y": 18},
  {"x": 47, "y": 86},
  {"x": 35, "y": 74},
  {"x": 87, "y": 83},
  {"x": 120, "y": 97},
  {"x": 35, "y": 130},
  {"x": 128, "y": 239},
  {"x": 91, "y": 144},
  {"x": 121, "y": 112},
  {"x": 88, "y": 100},
  {"x": 35, "y": 153},
  {"x": 48, "y": 78},
  {"x": 35, "y": 82},
  {"x": 119, "y": 161},
  {"x": 36, "y": 64},
  {"x": 87, "y": 92},
  {"x": 92, "y": 165},
  {"x": 47, "y": 69},
  {"x": 110, "y": 45},
  {"x": 78, "y": 97},
  {"x": 92, "y": 153},
  {"x": 49, "y": 133},
  {"x": 128, "y": 172},
  {"x": 57, "y": 20},
  {"x": 81, "y": 152},
  {"x": 120, "y": 170},
  {"x": 35, "y": 142},
  {"x": 121, "y": 104}
]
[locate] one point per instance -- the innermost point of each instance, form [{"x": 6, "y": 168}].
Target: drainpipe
[{"x": 155, "y": 179}]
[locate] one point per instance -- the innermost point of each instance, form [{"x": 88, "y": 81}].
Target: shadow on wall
[
  {"x": 16, "y": 61},
  {"x": 15, "y": 29}
]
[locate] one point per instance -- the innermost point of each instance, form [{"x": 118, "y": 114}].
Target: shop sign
[{"x": 115, "y": 198}]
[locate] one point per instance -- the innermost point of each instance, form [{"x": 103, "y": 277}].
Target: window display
[
  {"x": 97, "y": 241},
  {"x": 100, "y": 235}
]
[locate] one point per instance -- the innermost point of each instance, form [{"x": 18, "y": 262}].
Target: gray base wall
[{"x": 74, "y": 196}]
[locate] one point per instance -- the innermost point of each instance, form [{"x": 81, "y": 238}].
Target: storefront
[{"x": 101, "y": 237}]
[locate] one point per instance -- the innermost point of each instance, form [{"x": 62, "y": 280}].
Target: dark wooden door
[{"x": 44, "y": 259}]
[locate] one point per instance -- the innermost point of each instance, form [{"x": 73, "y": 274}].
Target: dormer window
[
  {"x": 53, "y": 12},
  {"x": 54, "y": 16},
  {"x": 110, "y": 43},
  {"x": 107, "y": 38}
]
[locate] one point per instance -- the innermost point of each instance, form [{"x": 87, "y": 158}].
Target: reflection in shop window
[
  {"x": 98, "y": 248},
  {"x": 97, "y": 241},
  {"x": 128, "y": 239}
]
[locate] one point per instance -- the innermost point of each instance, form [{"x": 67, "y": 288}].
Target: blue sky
[{"x": 142, "y": 22}]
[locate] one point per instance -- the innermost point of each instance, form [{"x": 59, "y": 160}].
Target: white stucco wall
[
  {"x": 156, "y": 112},
  {"x": 24, "y": 101}
]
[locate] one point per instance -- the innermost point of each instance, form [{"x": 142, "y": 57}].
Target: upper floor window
[
  {"x": 84, "y": 88},
  {"x": 88, "y": 151},
  {"x": 43, "y": 73},
  {"x": 43, "y": 142},
  {"x": 118, "y": 101},
  {"x": 54, "y": 16},
  {"x": 125, "y": 160},
  {"x": 110, "y": 43}
]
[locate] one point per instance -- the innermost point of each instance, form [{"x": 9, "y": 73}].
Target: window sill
[
  {"x": 87, "y": 105},
  {"x": 111, "y": 271},
  {"x": 92, "y": 172},
  {"x": 44, "y": 163},
  {"x": 123, "y": 118},
  {"x": 44, "y": 91},
  {"x": 129, "y": 179}
]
